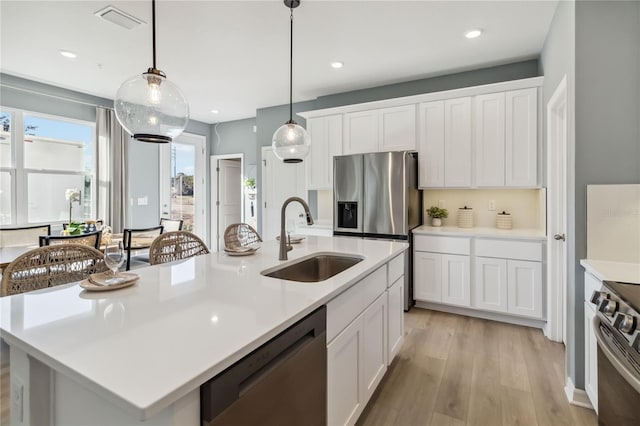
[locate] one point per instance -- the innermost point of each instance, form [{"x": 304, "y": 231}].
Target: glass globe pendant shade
[
  {"x": 291, "y": 143},
  {"x": 151, "y": 108}
]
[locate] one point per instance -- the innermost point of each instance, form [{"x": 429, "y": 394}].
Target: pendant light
[
  {"x": 291, "y": 142},
  {"x": 150, "y": 107}
]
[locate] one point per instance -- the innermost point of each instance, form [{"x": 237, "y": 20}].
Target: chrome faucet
[{"x": 284, "y": 247}]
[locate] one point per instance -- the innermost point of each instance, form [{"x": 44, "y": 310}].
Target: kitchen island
[{"x": 142, "y": 352}]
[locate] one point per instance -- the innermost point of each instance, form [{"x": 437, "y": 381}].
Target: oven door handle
[{"x": 626, "y": 374}]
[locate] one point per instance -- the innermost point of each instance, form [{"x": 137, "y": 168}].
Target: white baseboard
[
  {"x": 577, "y": 396},
  {"x": 493, "y": 316}
]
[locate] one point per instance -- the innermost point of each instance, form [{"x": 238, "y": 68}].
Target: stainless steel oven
[{"x": 618, "y": 335}]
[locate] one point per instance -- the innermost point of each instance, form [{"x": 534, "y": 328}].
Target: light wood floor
[{"x": 454, "y": 370}]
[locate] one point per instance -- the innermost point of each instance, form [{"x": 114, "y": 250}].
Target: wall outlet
[
  {"x": 492, "y": 205},
  {"x": 143, "y": 201},
  {"x": 17, "y": 399},
  {"x": 441, "y": 204}
]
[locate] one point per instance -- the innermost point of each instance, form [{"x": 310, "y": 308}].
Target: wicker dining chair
[
  {"x": 176, "y": 245},
  {"x": 50, "y": 266},
  {"x": 250, "y": 235},
  {"x": 91, "y": 239},
  {"x": 22, "y": 236},
  {"x": 171, "y": 224}
]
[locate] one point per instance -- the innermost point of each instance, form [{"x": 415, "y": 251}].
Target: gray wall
[
  {"x": 607, "y": 117},
  {"x": 269, "y": 119},
  {"x": 596, "y": 43},
  {"x": 556, "y": 61},
  {"x": 20, "y": 93},
  {"x": 234, "y": 137}
]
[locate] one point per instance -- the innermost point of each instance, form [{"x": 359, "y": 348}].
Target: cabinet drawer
[
  {"x": 347, "y": 306},
  {"x": 452, "y": 245},
  {"x": 396, "y": 269},
  {"x": 519, "y": 250},
  {"x": 591, "y": 284}
]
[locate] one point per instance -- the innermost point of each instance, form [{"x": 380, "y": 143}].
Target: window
[{"x": 40, "y": 162}]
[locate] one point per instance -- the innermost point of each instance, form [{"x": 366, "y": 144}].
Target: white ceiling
[{"x": 233, "y": 56}]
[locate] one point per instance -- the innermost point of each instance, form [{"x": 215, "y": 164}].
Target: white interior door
[
  {"x": 226, "y": 195},
  {"x": 279, "y": 182},
  {"x": 182, "y": 182},
  {"x": 557, "y": 137}
]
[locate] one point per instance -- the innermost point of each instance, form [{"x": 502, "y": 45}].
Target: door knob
[{"x": 559, "y": 237}]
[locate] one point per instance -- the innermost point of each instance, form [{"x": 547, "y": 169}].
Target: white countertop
[
  {"x": 146, "y": 346},
  {"x": 613, "y": 271},
  {"x": 521, "y": 234}
]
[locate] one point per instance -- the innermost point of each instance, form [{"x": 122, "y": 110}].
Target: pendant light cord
[
  {"x": 153, "y": 31},
  {"x": 290, "y": 69}
]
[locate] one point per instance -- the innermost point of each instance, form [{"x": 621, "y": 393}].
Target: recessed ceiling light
[
  {"x": 68, "y": 54},
  {"x": 473, "y": 33},
  {"x": 337, "y": 64},
  {"x": 214, "y": 111}
]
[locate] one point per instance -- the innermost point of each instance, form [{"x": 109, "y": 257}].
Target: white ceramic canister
[
  {"x": 465, "y": 217},
  {"x": 504, "y": 220}
]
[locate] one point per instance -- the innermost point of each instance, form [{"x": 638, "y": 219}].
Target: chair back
[
  {"x": 133, "y": 239},
  {"x": 51, "y": 266},
  {"x": 176, "y": 245},
  {"x": 231, "y": 239},
  {"x": 171, "y": 224},
  {"x": 91, "y": 239},
  {"x": 22, "y": 236}
]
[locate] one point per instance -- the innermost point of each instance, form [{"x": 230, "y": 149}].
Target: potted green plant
[
  {"x": 250, "y": 185},
  {"x": 437, "y": 214}
]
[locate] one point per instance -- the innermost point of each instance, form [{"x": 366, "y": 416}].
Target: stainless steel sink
[{"x": 315, "y": 268}]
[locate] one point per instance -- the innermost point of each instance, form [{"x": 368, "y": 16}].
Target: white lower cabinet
[
  {"x": 590, "y": 356},
  {"x": 395, "y": 329},
  {"x": 365, "y": 329},
  {"x": 490, "y": 284},
  {"x": 456, "y": 284},
  {"x": 374, "y": 342},
  {"x": 344, "y": 369},
  {"x": 427, "y": 282},
  {"x": 524, "y": 282},
  {"x": 591, "y": 284}
]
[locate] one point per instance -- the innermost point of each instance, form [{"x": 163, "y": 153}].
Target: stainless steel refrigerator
[{"x": 376, "y": 196}]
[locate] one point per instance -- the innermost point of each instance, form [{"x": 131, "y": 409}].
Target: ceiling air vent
[{"x": 119, "y": 17}]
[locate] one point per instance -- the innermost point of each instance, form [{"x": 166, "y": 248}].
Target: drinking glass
[{"x": 114, "y": 258}]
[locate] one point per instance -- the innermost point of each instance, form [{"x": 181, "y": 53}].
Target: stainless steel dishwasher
[{"x": 283, "y": 382}]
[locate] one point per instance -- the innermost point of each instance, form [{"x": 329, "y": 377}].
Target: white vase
[{"x": 436, "y": 221}]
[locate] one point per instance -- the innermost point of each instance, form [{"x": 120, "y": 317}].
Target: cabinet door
[
  {"x": 427, "y": 276},
  {"x": 489, "y": 140},
  {"x": 360, "y": 132},
  {"x": 397, "y": 128},
  {"x": 590, "y": 356},
  {"x": 456, "y": 284},
  {"x": 395, "y": 305},
  {"x": 431, "y": 145},
  {"x": 521, "y": 143},
  {"x": 457, "y": 136},
  {"x": 326, "y": 142},
  {"x": 525, "y": 288},
  {"x": 490, "y": 286},
  {"x": 374, "y": 354},
  {"x": 344, "y": 370}
]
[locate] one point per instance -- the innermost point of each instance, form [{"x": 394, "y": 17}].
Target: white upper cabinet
[
  {"x": 521, "y": 138},
  {"x": 489, "y": 134},
  {"x": 457, "y": 146},
  {"x": 326, "y": 142},
  {"x": 387, "y": 129},
  {"x": 431, "y": 145},
  {"x": 360, "y": 132},
  {"x": 397, "y": 128}
]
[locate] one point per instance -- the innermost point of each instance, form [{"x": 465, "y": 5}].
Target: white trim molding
[
  {"x": 429, "y": 97},
  {"x": 577, "y": 396}
]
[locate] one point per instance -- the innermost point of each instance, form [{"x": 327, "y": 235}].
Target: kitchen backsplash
[
  {"x": 526, "y": 206},
  {"x": 613, "y": 222}
]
